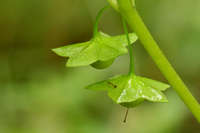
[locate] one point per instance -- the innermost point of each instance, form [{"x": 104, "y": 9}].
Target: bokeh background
[{"x": 38, "y": 94}]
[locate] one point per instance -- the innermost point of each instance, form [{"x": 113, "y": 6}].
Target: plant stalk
[
  {"x": 130, "y": 48},
  {"x": 97, "y": 20},
  {"x": 136, "y": 24}
]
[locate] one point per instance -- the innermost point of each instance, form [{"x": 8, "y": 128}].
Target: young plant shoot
[
  {"x": 128, "y": 90},
  {"x": 99, "y": 52},
  {"x": 127, "y": 8},
  {"x": 131, "y": 90}
]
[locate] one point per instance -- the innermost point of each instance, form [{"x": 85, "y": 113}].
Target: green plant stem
[
  {"x": 114, "y": 4},
  {"x": 97, "y": 20},
  {"x": 136, "y": 24},
  {"x": 130, "y": 47}
]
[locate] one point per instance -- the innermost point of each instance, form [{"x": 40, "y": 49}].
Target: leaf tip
[{"x": 57, "y": 51}]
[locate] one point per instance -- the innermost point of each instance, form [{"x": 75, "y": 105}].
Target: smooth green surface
[
  {"x": 137, "y": 25},
  {"x": 130, "y": 48},
  {"x": 115, "y": 5},
  {"x": 45, "y": 97},
  {"x": 102, "y": 64},
  {"x": 130, "y": 90},
  {"x": 100, "y": 13},
  {"x": 100, "y": 48}
]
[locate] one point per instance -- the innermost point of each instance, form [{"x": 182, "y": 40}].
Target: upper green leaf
[
  {"x": 100, "y": 48},
  {"x": 126, "y": 89}
]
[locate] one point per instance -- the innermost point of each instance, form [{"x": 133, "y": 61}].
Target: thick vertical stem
[{"x": 135, "y": 22}]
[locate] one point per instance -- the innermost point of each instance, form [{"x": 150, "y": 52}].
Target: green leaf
[
  {"x": 155, "y": 84},
  {"x": 130, "y": 90},
  {"x": 102, "y": 64},
  {"x": 100, "y": 48}
]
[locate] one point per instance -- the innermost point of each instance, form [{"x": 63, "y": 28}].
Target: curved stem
[
  {"x": 97, "y": 20},
  {"x": 135, "y": 22},
  {"x": 130, "y": 47}
]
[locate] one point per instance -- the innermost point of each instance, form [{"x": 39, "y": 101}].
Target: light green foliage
[
  {"x": 100, "y": 48},
  {"x": 136, "y": 24},
  {"x": 100, "y": 52},
  {"x": 131, "y": 90},
  {"x": 102, "y": 64}
]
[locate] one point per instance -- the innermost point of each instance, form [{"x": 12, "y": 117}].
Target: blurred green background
[{"x": 39, "y": 95}]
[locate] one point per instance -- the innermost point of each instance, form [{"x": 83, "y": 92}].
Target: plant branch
[
  {"x": 97, "y": 20},
  {"x": 136, "y": 24},
  {"x": 130, "y": 48}
]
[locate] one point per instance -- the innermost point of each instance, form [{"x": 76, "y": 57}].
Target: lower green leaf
[{"x": 131, "y": 90}]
